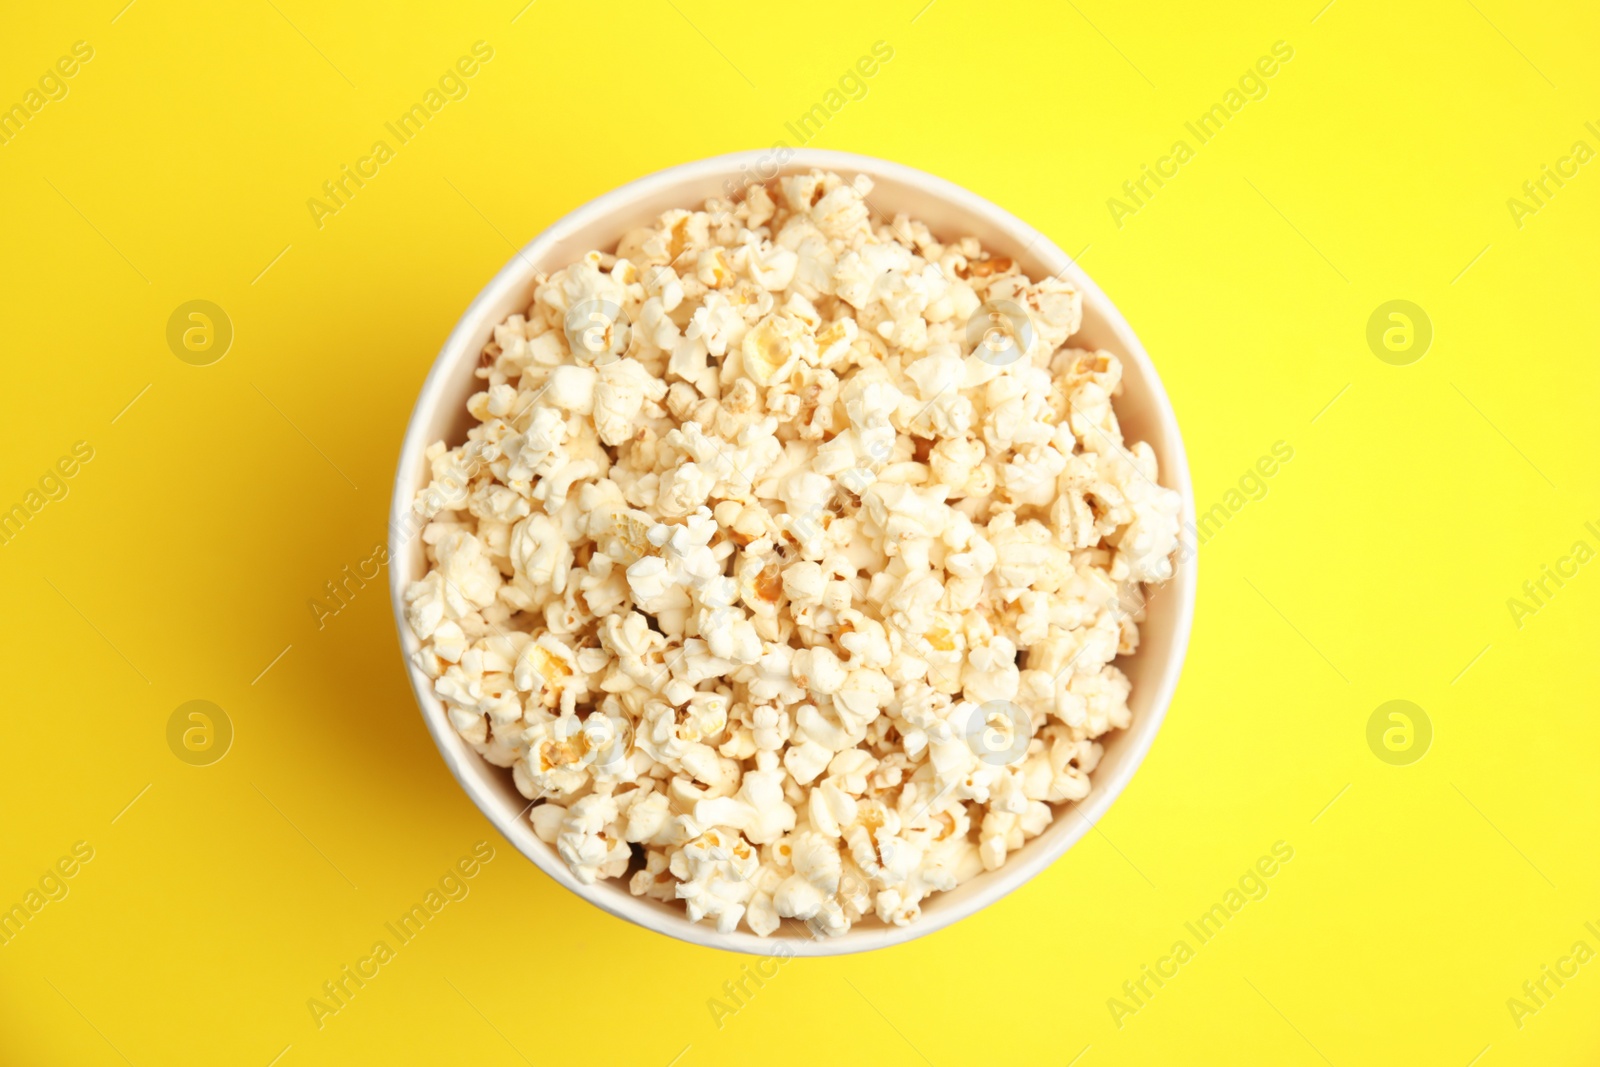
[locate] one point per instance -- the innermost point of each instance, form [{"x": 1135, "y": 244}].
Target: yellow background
[{"x": 1377, "y": 567}]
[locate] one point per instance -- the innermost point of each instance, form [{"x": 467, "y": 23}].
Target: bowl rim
[{"x": 463, "y": 762}]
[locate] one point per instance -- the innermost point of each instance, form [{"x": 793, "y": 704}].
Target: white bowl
[{"x": 949, "y": 211}]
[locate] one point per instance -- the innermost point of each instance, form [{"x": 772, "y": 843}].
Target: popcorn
[
  {"x": 783, "y": 589},
  {"x": 714, "y": 872},
  {"x": 758, "y": 810},
  {"x": 589, "y": 840}
]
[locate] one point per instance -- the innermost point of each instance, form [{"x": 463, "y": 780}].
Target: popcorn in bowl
[{"x": 787, "y": 561}]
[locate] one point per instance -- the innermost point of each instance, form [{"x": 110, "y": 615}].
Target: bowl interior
[{"x": 949, "y": 211}]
